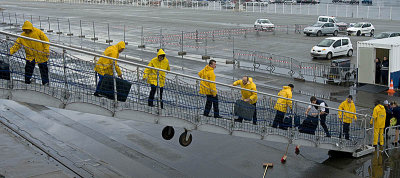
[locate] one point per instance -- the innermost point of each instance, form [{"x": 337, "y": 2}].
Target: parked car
[
  {"x": 332, "y": 47},
  {"x": 361, "y": 28},
  {"x": 264, "y": 24},
  {"x": 321, "y": 29},
  {"x": 386, "y": 35},
  {"x": 341, "y": 25},
  {"x": 308, "y": 1}
]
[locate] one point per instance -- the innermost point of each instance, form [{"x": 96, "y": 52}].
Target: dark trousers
[
  {"x": 44, "y": 71},
  {"x": 378, "y": 76},
  {"x": 99, "y": 82},
  {"x": 211, "y": 101},
  {"x": 323, "y": 123},
  {"x": 240, "y": 119},
  {"x": 152, "y": 93},
  {"x": 278, "y": 119},
  {"x": 385, "y": 75},
  {"x": 346, "y": 129}
]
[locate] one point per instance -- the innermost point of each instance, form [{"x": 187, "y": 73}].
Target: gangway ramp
[{"x": 73, "y": 82}]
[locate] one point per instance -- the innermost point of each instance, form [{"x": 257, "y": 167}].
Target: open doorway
[{"x": 382, "y": 66}]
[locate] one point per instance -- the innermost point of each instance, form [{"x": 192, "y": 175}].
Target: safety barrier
[
  {"x": 79, "y": 32},
  {"x": 279, "y": 64},
  {"x": 391, "y": 135},
  {"x": 73, "y": 82}
]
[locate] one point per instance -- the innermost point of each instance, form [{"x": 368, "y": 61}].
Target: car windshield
[
  {"x": 358, "y": 25},
  {"x": 317, "y": 25},
  {"x": 264, "y": 21},
  {"x": 326, "y": 43},
  {"x": 382, "y": 35}
]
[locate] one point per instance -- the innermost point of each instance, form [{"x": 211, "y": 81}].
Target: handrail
[{"x": 175, "y": 73}]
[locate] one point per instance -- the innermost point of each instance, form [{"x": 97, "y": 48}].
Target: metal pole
[
  {"x": 65, "y": 75},
  {"x": 40, "y": 24},
  {"x": 390, "y": 15},
  {"x": 115, "y": 87},
  {"x": 158, "y": 93}
]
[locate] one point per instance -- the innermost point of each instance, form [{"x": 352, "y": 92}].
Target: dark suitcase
[
  {"x": 309, "y": 125},
  {"x": 107, "y": 88},
  {"x": 244, "y": 110},
  {"x": 287, "y": 122},
  {"x": 4, "y": 71}
]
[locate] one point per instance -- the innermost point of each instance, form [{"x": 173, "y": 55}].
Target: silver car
[{"x": 322, "y": 29}]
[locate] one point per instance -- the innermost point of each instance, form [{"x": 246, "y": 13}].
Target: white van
[
  {"x": 332, "y": 47},
  {"x": 341, "y": 25}
]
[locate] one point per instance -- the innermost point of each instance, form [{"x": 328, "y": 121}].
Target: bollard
[
  {"x": 69, "y": 29},
  {"x": 126, "y": 43},
  {"x": 48, "y": 19},
  {"x": 287, "y": 29},
  {"x": 2, "y": 14},
  {"x": 181, "y": 53},
  {"x": 108, "y": 34},
  {"x": 205, "y": 56},
  {"x": 142, "y": 40},
  {"x": 16, "y": 20},
  {"x": 58, "y": 24},
  {"x": 40, "y": 24},
  {"x": 80, "y": 26},
  {"x": 197, "y": 36}
]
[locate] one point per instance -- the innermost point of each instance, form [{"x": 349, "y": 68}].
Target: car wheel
[
  {"x": 335, "y": 33},
  {"x": 350, "y": 53},
  {"x": 371, "y": 33},
  {"x": 329, "y": 56},
  {"x": 319, "y": 33},
  {"x": 307, "y": 34},
  {"x": 358, "y": 33}
]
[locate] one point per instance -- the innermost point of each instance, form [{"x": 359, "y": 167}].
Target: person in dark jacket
[
  {"x": 323, "y": 113},
  {"x": 385, "y": 71},
  {"x": 396, "y": 114},
  {"x": 378, "y": 66}
]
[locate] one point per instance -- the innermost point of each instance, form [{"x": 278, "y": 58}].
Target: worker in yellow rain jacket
[
  {"x": 282, "y": 104},
  {"x": 378, "y": 120},
  {"x": 209, "y": 89},
  {"x": 104, "y": 66},
  {"x": 35, "y": 52},
  {"x": 160, "y": 62},
  {"x": 347, "y": 118},
  {"x": 248, "y": 96}
]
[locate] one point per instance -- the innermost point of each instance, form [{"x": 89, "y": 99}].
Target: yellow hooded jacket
[
  {"x": 282, "y": 104},
  {"x": 151, "y": 74},
  {"x": 104, "y": 66},
  {"x": 207, "y": 88},
  {"x": 247, "y": 94},
  {"x": 350, "y": 107},
  {"x": 379, "y": 117},
  {"x": 34, "y": 50}
]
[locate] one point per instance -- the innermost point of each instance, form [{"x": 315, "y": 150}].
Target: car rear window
[
  {"x": 323, "y": 19},
  {"x": 345, "y": 42}
]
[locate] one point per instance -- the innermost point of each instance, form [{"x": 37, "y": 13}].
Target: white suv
[
  {"x": 331, "y": 47},
  {"x": 264, "y": 24},
  {"x": 361, "y": 28}
]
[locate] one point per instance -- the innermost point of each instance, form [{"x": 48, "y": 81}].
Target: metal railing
[
  {"x": 391, "y": 135},
  {"x": 72, "y": 80},
  {"x": 271, "y": 63}
]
